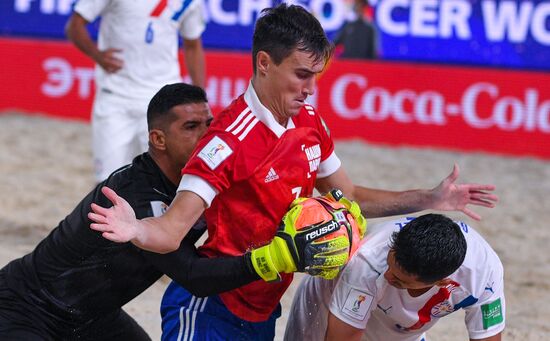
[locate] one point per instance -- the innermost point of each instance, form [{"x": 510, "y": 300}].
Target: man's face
[
  {"x": 400, "y": 279},
  {"x": 291, "y": 82},
  {"x": 192, "y": 121}
]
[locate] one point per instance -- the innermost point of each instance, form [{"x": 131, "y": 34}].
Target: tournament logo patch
[
  {"x": 492, "y": 314},
  {"x": 357, "y": 304},
  {"x": 215, "y": 152}
]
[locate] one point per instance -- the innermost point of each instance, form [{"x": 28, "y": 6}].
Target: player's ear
[
  {"x": 262, "y": 62},
  {"x": 157, "y": 139}
]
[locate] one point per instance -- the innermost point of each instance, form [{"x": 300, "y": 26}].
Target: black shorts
[{"x": 20, "y": 320}]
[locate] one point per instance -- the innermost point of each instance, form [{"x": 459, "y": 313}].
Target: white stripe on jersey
[
  {"x": 309, "y": 109},
  {"x": 245, "y": 119},
  {"x": 239, "y": 118},
  {"x": 243, "y": 124},
  {"x": 250, "y": 126}
]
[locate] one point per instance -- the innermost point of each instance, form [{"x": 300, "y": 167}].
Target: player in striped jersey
[
  {"x": 407, "y": 274},
  {"x": 136, "y": 54},
  {"x": 266, "y": 149}
]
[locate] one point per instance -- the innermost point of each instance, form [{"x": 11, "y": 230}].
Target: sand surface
[{"x": 45, "y": 169}]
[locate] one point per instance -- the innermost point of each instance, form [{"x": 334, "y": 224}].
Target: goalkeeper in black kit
[{"x": 73, "y": 285}]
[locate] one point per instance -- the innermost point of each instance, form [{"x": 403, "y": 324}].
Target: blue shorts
[{"x": 186, "y": 317}]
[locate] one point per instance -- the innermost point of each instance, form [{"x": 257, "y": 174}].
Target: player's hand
[
  {"x": 353, "y": 208},
  {"x": 289, "y": 252},
  {"x": 117, "y": 223},
  {"x": 449, "y": 196},
  {"x": 108, "y": 60},
  {"x": 313, "y": 249}
]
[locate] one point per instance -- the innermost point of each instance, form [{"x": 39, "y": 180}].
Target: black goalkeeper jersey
[{"x": 75, "y": 275}]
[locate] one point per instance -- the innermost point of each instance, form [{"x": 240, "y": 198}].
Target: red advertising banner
[
  {"x": 471, "y": 109},
  {"x": 51, "y": 78},
  {"x": 452, "y": 107}
]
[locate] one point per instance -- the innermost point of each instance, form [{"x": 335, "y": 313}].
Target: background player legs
[{"x": 119, "y": 130}]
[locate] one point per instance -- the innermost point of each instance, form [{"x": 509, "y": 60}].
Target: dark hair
[
  {"x": 281, "y": 30},
  {"x": 430, "y": 247},
  {"x": 159, "y": 109}
]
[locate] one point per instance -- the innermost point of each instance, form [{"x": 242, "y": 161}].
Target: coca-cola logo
[{"x": 481, "y": 106}]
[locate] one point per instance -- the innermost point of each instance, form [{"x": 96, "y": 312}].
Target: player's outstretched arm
[
  {"x": 160, "y": 234},
  {"x": 447, "y": 196},
  {"x": 203, "y": 276}
]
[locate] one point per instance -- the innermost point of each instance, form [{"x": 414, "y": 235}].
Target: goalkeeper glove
[
  {"x": 353, "y": 208},
  {"x": 319, "y": 249}
]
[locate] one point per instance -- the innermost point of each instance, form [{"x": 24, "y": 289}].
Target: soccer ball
[{"x": 326, "y": 230}]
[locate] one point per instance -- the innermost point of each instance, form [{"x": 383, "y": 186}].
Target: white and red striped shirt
[{"x": 362, "y": 298}]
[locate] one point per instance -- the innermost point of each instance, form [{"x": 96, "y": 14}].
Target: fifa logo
[
  {"x": 357, "y": 304},
  {"x": 214, "y": 150}
]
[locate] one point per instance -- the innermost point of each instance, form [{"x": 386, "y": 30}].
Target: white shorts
[{"x": 119, "y": 131}]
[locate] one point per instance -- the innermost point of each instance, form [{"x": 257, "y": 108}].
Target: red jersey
[{"x": 249, "y": 169}]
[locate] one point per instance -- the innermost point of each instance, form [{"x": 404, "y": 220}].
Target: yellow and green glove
[
  {"x": 315, "y": 236},
  {"x": 353, "y": 208}
]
